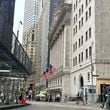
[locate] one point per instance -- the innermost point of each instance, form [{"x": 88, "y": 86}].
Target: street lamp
[
  {"x": 92, "y": 74},
  {"x": 20, "y": 23}
]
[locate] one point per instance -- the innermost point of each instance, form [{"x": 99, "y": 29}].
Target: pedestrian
[
  {"x": 30, "y": 95},
  {"x": 86, "y": 96},
  {"x": 23, "y": 100},
  {"x": 58, "y": 97},
  {"x": 33, "y": 96},
  {"x": 81, "y": 96},
  {"x": 104, "y": 95},
  {"x": 65, "y": 100},
  {"x": 20, "y": 98},
  {"x": 108, "y": 98}
]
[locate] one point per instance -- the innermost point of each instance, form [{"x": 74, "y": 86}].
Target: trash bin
[{"x": 108, "y": 101}]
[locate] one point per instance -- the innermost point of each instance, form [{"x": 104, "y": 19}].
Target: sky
[{"x": 19, "y": 16}]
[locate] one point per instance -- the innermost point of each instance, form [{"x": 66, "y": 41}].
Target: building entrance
[{"x": 81, "y": 82}]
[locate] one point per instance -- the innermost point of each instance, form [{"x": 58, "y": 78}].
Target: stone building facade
[
  {"x": 90, "y": 46},
  {"x": 79, "y": 49},
  {"x": 60, "y": 54}
]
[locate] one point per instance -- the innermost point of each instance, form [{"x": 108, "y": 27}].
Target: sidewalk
[
  {"x": 10, "y": 106},
  {"x": 90, "y": 105},
  {"x": 72, "y": 104}
]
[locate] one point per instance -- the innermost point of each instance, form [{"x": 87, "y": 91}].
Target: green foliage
[{"x": 39, "y": 88}]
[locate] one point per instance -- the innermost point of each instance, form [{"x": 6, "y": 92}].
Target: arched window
[
  {"x": 74, "y": 80},
  {"x": 88, "y": 76}
]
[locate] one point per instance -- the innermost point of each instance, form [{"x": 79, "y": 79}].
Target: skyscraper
[{"x": 31, "y": 16}]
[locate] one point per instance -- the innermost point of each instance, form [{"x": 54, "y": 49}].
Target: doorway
[{"x": 81, "y": 82}]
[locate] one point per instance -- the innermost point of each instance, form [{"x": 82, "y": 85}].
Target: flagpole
[{"x": 48, "y": 62}]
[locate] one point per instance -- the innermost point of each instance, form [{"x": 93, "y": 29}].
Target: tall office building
[
  {"x": 90, "y": 46},
  {"x": 31, "y": 13},
  {"x": 31, "y": 17},
  {"x": 45, "y": 30}
]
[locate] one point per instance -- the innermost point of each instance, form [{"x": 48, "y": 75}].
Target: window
[
  {"x": 74, "y": 80},
  {"x": 82, "y": 56},
  {"x": 81, "y": 40},
  {"x": 90, "y": 12},
  {"x": 76, "y": 3},
  {"x": 73, "y": 47},
  {"x": 76, "y": 45},
  {"x": 88, "y": 77},
  {"x": 86, "y": 15},
  {"x": 79, "y": 24},
  {"x": 73, "y": 62},
  {"x": 79, "y": 12},
  {"x": 86, "y": 3},
  {"x": 32, "y": 37},
  {"x": 76, "y": 60},
  {"x": 79, "y": 43},
  {"x": 82, "y": 8},
  {"x": 82, "y": 21},
  {"x": 89, "y": 32},
  {"x": 86, "y": 53},
  {"x": 74, "y": 20},
  {"x": 74, "y": 7},
  {"x": 76, "y": 28},
  {"x": 86, "y": 35},
  {"x": 90, "y": 51},
  {"x": 74, "y": 32},
  {"x": 76, "y": 17},
  {"x": 79, "y": 58}
]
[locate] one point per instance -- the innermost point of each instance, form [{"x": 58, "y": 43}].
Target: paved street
[{"x": 58, "y": 106}]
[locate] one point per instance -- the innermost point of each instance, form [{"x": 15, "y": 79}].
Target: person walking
[
  {"x": 65, "y": 99},
  {"x": 108, "y": 98},
  {"x": 30, "y": 95},
  {"x": 58, "y": 97},
  {"x": 104, "y": 95},
  {"x": 81, "y": 96},
  {"x": 20, "y": 98},
  {"x": 86, "y": 96}
]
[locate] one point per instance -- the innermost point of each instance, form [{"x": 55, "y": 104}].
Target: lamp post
[
  {"x": 92, "y": 74},
  {"x": 20, "y": 23}
]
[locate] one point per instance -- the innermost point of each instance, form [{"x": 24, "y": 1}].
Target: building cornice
[{"x": 63, "y": 18}]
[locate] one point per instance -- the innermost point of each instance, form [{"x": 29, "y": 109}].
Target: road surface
[{"x": 57, "y": 106}]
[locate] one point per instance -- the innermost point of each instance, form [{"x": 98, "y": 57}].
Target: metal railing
[{"x": 19, "y": 53}]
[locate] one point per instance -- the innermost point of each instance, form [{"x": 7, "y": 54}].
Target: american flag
[
  {"x": 51, "y": 70},
  {"x": 45, "y": 76}
]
